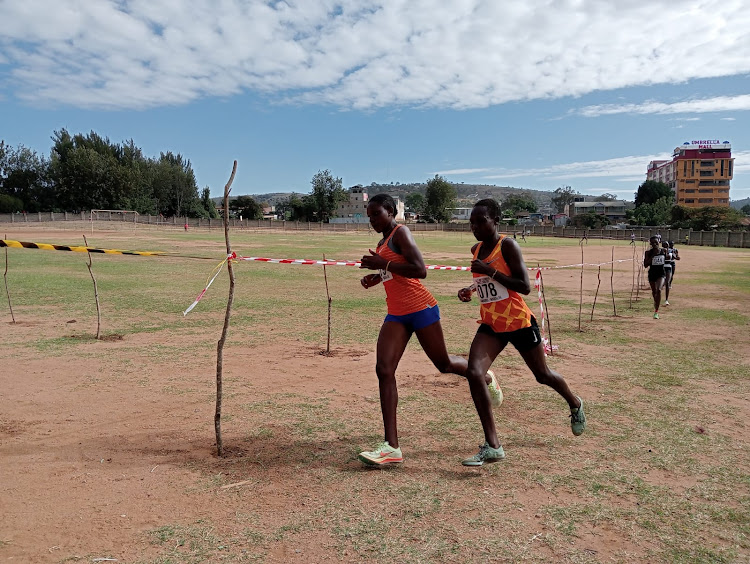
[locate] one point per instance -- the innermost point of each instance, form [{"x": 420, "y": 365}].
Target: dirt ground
[{"x": 92, "y": 463}]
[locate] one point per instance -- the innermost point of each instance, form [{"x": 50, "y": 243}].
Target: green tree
[
  {"x": 590, "y": 220},
  {"x": 10, "y": 204},
  {"x": 440, "y": 197},
  {"x": 415, "y": 202},
  {"x": 515, "y": 203},
  {"x": 24, "y": 176},
  {"x": 247, "y": 207},
  {"x": 709, "y": 218},
  {"x": 208, "y": 204},
  {"x": 327, "y": 193},
  {"x": 606, "y": 197},
  {"x": 564, "y": 196},
  {"x": 658, "y": 213},
  {"x": 652, "y": 191},
  {"x": 745, "y": 209}
]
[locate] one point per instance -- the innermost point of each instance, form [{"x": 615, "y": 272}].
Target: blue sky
[{"x": 535, "y": 94}]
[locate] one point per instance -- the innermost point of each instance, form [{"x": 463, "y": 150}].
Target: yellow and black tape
[{"x": 73, "y": 248}]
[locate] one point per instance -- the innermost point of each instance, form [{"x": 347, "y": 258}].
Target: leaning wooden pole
[
  {"x": 546, "y": 312},
  {"x": 596, "y": 294},
  {"x": 580, "y": 294},
  {"x": 5, "y": 277},
  {"x": 612, "y": 282},
  {"x": 227, "y": 315},
  {"x": 328, "y": 294},
  {"x": 96, "y": 294}
]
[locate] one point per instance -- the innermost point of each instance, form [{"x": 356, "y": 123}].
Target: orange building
[{"x": 699, "y": 173}]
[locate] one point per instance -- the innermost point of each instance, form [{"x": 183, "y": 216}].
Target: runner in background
[
  {"x": 500, "y": 277},
  {"x": 411, "y": 309},
  {"x": 654, "y": 259},
  {"x": 668, "y": 271},
  {"x": 675, "y": 257}
]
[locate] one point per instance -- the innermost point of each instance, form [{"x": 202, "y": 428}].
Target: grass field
[{"x": 108, "y": 451}]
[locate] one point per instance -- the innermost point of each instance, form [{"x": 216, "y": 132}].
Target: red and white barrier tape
[{"x": 233, "y": 256}]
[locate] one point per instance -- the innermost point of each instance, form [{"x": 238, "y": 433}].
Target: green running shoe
[
  {"x": 656, "y": 315},
  {"x": 383, "y": 455},
  {"x": 486, "y": 454},
  {"x": 578, "y": 420}
]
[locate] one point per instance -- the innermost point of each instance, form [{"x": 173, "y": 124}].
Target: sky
[{"x": 537, "y": 94}]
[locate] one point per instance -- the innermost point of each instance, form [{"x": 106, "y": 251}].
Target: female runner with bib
[
  {"x": 500, "y": 276},
  {"x": 411, "y": 309}
]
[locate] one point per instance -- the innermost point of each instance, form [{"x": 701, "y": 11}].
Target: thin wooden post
[
  {"x": 325, "y": 276},
  {"x": 580, "y": 295},
  {"x": 612, "y": 283},
  {"x": 96, "y": 292},
  {"x": 598, "y": 282},
  {"x": 227, "y": 315},
  {"x": 5, "y": 277}
]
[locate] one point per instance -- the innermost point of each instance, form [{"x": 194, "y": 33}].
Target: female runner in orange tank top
[
  {"x": 500, "y": 276},
  {"x": 411, "y": 309}
]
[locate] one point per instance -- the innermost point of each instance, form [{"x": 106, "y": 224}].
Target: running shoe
[
  {"x": 666, "y": 302},
  {"x": 578, "y": 420},
  {"x": 383, "y": 455},
  {"x": 496, "y": 394},
  {"x": 656, "y": 315},
  {"x": 486, "y": 454}
]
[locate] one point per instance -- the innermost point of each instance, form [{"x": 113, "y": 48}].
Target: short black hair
[
  {"x": 385, "y": 201},
  {"x": 493, "y": 208}
]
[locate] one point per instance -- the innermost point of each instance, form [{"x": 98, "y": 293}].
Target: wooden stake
[
  {"x": 546, "y": 312},
  {"x": 5, "y": 277},
  {"x": 612, "y": 282},
  {"x": 325, "y": 276},
  {"x": 580, "y": 295},
  {"x": 598, "y": 282},
  {"x": 227, "y": 315},
  {"x": 96, "y": 294}
]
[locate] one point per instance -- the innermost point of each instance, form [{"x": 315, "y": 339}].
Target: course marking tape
[
  {"x": 74, "y": 248},
  {"x": 428, "y": 266}
]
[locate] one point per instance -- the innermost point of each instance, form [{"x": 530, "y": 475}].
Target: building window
[
  {"x": 689, "y": 201},
  {"x": 707, "y": 163},
  {"x": 706, "y": 191},
  {"x": 705, "y": 200},
  {"x": 690, "y": 191},
  {"x": 690, "y": 182},
  {"x": 730, "y": 169},
  {"x": 722, "y": 167},
  {"x": 709, "y": 172}
]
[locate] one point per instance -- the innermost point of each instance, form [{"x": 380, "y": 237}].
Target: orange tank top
[
  {"x": 502, "y": 309},
  {"x": 402, "y": 295}
]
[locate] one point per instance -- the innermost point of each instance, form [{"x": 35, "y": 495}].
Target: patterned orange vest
[
  {"x": 403, "y": 295},
  {"x": 510, "y": 313}
]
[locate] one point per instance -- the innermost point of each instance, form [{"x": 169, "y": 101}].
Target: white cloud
[
  {"x": 716, "y": 104},
  {"x": 618, "y": 169},
  {"x": 728, "y": 119},
  {"x": 363, "y": 54},
  {"x": 459, "y": 171}
]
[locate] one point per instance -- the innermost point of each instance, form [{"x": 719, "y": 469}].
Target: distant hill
[
  {"x": 737, "y": 204},
  {"x": 467, "y": 193}
]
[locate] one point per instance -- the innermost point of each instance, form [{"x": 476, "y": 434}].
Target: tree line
[{"x": 85, "y": 172}]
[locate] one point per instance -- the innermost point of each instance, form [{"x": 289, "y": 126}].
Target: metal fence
[{"x": 739, "y": 239}]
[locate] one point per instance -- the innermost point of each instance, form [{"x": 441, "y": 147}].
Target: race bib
[
  {"x": 489, "y": 290},
  {"x": 385, "y": 275},
  {"x": 658, "y": 260}
]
